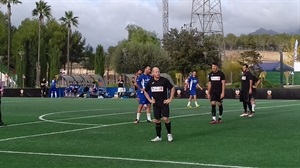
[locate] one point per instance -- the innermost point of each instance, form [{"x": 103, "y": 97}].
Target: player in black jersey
[
  {"x": 256, "y": 83},
  {"x": 159, "y": 86},
  {"x": 246, "y": 90},
  {"x": 216, "y": 91}
]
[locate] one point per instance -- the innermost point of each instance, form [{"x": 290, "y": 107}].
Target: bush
[{"x": 266, "y": 84}]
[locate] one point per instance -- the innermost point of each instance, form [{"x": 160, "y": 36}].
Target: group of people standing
[
  {"x": 53, "y": 87},
  {"x": 216, "y": 91},
  {"x": 153, "y": 89}
]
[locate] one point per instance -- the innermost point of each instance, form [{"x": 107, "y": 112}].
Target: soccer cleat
[
  {"x": 149, "y": 121},
  {"x": 245, "y": 114},
  {"x": 220, "y": 120},
  {"x": 156, "y": 139},
  {"x": 251, "y": 115},
  {"x": 213, "y": 122},
  {"x": 2, "y": 124},
  {"x": 136, "y": 121},
  {"x": 189, "y": 106},
  {"x": 170, "y": 137},
  {"x": 197, "y": 105}
]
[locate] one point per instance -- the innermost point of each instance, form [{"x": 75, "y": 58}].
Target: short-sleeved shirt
[
  {"x": 193, "y": 81},
  {"x": 159, "y": 89},
  {"x": 121, "y": 83},
  {"x": 246, "y": 77},
  {"x": 53, "y": 83},
  {"x": 142, "y": 80},
  {"x": 215, "y": 78},
  {"x": 43, "y": 84}
]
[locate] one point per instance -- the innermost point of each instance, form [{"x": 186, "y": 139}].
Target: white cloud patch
[{"x": 104, "y": 21}]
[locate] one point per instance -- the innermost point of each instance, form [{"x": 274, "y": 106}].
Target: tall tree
[
  {"x": 25, "y": 40},
  {"x": 69, "y": 20},
  {"x": 42, "y": 10},
  {"x": 140, "y": 49},
  {"x": 89, "y": 58},
  {"x": 250, "y": 57},
  {"x": 77, "y": 43},
  {"x": 99, "y": 61},
  {"x": 9, "y": 13},
  {"x": 186, "y": 48}
]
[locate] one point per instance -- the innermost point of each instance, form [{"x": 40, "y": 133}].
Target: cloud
[{"x": 104, "y": 21}]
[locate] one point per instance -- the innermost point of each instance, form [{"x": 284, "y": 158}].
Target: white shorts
[{"x": 120, "y": 89}]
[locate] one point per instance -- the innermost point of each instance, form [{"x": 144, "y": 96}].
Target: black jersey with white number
[
  {"x": 159, "y": 88},
  {"x": 245, "y": 80},
  {"x": 215, "y": 79}
]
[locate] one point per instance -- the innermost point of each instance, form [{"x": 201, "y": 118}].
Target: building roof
[{"x": 274, "y": 66}]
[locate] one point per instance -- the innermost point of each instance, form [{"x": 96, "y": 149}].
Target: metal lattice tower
[
  {"x": 165, "y": 12},
  {"x": 207, "y": 18}
]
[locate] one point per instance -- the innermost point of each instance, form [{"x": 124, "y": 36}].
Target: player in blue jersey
[
  {"x": 141, "y": 82},
  {"x": 192, "y": 86},
  {"x": 134, "y": 83},
  {"x": 53, "y": 88},
  {"x": 76, "y": 89}
]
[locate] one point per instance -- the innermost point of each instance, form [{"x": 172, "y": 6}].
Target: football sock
[
  {"x": 158, "y": 129},
  {"x": 250, "y": 106},
  {"x": 189, "y": 103},
  {"x": 221, "y": 110},
  {"x": 149, "y": 116},
  {"x": 138, "y": 115},
  {"x": 213, "y": 110},
  {"x": 168, "y": 127},
  {"x": 245, "y": 106},
  {"x": 253, "y": 107},
  {"x": 196, "y": 103},
  {"x": 214, "y": 118}
]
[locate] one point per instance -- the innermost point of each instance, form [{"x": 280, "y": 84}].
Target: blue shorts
[
  {"x": 143, "y": 99},
  {"x": 53, "y": 89},
  {"x": 192, "y": 92},
  {"x": 138, "y": 93}
]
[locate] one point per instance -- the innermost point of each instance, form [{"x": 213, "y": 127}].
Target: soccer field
[{"x": 68, "y": 132}]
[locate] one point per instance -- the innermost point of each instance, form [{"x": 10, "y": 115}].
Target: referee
[
  {"x": 159, "y": 86},
  {"x": 216, "y": 92}
]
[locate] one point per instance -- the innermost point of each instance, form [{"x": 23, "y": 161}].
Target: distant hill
[
  {"x": 273, "y": 32},
  {"x": 295, "y": 32},
  {"x": 263, "y": 31}
]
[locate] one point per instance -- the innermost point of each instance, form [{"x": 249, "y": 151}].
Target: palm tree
[
  {"x": 8, "y": 3},
  {"x": 42, "y": 10},
  {"x": 69, "y": 20}
]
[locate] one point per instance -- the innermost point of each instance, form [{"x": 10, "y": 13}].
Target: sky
[{"x": 104, "y": 21}]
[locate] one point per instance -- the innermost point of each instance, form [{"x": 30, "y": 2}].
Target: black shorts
[
  {"x": 245, "y": 96},
  {"x": 253, "y": 94},
  {"x": 160, "y": 110},
  {"x": 215, "y": 96}
]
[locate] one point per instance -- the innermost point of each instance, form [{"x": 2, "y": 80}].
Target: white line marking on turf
[
  {"x": 122, "y": 123},
  {"x": 58, "y": 121},
  {"x": 123, "y": 159},
  {"x": 69, "y": 111}
]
